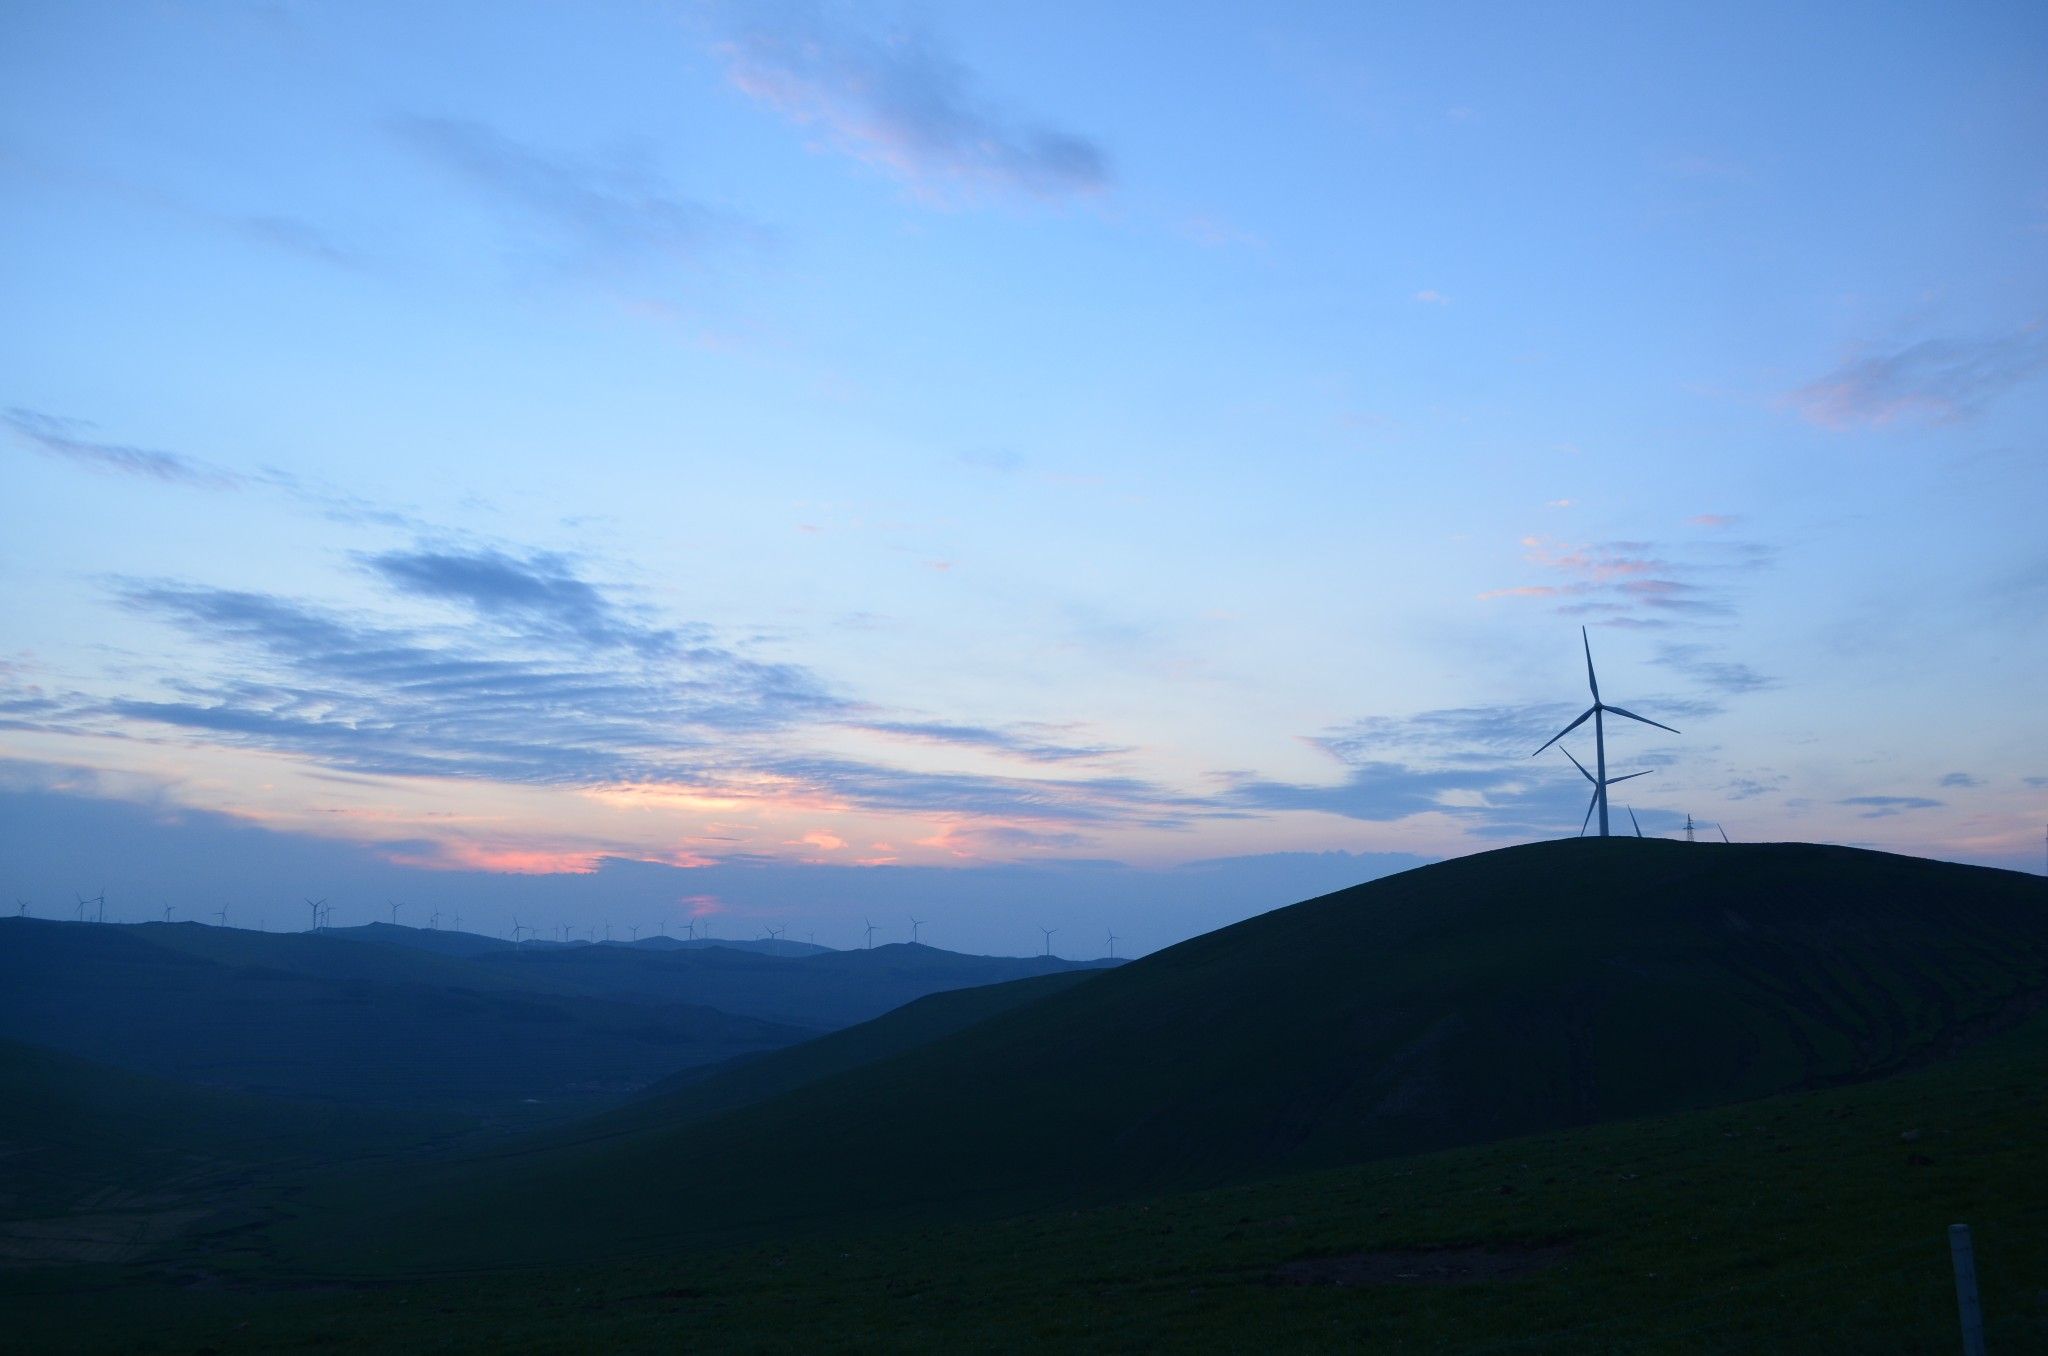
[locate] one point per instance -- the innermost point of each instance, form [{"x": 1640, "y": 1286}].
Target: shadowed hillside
[
  {"x": 316, "y": 1016},
  {"x": 1533, "y": 988}
]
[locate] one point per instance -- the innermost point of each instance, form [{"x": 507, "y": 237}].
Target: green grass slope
[
  {"x": 1811, "y": 1222},
  {"x": 301, "y": 1015},
  {"x": 99, "y": 1164},
  {"x": 1512, "y": 992}
]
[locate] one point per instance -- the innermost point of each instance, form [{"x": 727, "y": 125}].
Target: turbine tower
[
  {"x": 1113, "y": 940},
  {"x": 871, "y": 934},
  {"x": 314, "y": 905},
  {"x": 1048, "y": 938},
  {"x": 1598, "y": 711},
  {"x": 1598, "y": 788},
  {"x": 915, "y": 924}
]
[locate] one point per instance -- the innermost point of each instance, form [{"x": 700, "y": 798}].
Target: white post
[{"x": 1965, "y": 1259}]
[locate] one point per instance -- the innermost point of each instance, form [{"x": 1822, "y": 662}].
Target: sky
[{"x": 1113, "y": 468}]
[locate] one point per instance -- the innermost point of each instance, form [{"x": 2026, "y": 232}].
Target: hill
[
  {"x": 1529, "y": 989},
  {"x": 825, "y": 990},
  {"x": 103, "y": 1165},
  {"x": 313, "y": 1015},
  {"x": 1811, "y": 1222}
]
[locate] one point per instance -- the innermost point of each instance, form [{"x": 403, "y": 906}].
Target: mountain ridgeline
[
  {"x": 419, "y": 1018},
  {"x": 1523, "y": 990}
]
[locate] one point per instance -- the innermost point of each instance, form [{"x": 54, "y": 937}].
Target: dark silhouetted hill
[{"x": 1534, "y": 988}]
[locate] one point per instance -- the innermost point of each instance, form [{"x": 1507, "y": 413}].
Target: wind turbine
[
  {"x": 871, "y": 934},
  {"x": 1632, "y": 821},
  {"x": 167, "y": 912},
  {"x": 394, "y": 911},
  {"x": 1599, "y": 796},
  {"x": 1598, "y": 711},
  {"x": 1113, "y": 940},
  {"x": 915, "y": 924},
  {"x": 21, "y": 908},
  {"x": 636, "y": 934},
  {"x": 458, "y": 922},
  {"x": 434, "y": 920},
  {"x": 1048, "y": 938},
  {"x": 1723, "y": 832},
  {"x": 221, "y": 914},
  {"x": 81, "y": 908},
  {"x": 314, "y": 905}
]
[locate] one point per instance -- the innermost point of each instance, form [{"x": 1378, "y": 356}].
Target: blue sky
[{"x": 743, "y": 460}]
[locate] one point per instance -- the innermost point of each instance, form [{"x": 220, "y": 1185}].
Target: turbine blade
[
  {"x": 1576, "y": 763},
  {"x": 1591, "y": 681},
  {"x": 1644, "y": 719},
  {"x": 1632, "y": 821},
  {"x": 1567, "y": 729},
  {"x": 1644, "y": 773},
  {"x": 1589, "y": 812},
  {"x": 1723, "y": 832}
]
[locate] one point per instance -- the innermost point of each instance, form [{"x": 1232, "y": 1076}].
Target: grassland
[
  {"x": 1535, "y": 988},
  {"x": 1810, "y": 1222}
]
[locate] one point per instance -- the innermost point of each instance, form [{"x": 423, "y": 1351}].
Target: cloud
[
  {"x": 293, "y": 236},
  {"x": 1723, "y": 675},
  {"x": 70, "y": 440},
  {"x": 1961, "y": 779},
  {"x": 1635, "y": 583},
  {"x": 1883, "y": 807},
  {"x": 610, "y": 213},
  {"x": 1432, "y": 297},
  {"x": 547, "y": 680},
  {"x": 1026, "y": 741},
  {"x": 899, "y": 101},
  {"x": 367, "y": 696},
  {"x": 1935, "y": 379},
  {"x": 539, "y": 594},
  {"x": 1713, "y": 520}
]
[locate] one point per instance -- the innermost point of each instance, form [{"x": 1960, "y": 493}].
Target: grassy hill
[
  {"x": 311, "y": 1015},
  {"x": 1810, "y": 1222},
  {"x": 817, "y": 988},
  {"x": 100, "y": 1165},
  {"x": 1513, "y": 992}
]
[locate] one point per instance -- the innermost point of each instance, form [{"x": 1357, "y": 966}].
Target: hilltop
[{"x": 1530, "y": 989}]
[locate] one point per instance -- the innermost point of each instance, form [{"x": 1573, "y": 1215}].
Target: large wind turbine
[
  {"x": 1598, "y": 711},
  {"x": 1599, "y": 788}
]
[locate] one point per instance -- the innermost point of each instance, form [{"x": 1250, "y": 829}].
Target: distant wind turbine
[
  {"x": 1599, "y": 792},
  {"x": 1048, "y": 938},
  {"x": 1632, "y": 821},
  {"x": 1723, "y": 832},
  {"x": 394, "y": 911},
  {"x": 915, "y": 924},
  {"x": 1113, "y": 940},
  {"x": 21, "y": 908},
  {"x": 314, "y": 905},
  {"x": 167, "y": 912},
  {"x": 1598, "y": 711},
  {"x": 434, "y": 920},
  {"x": 636, "y": 933},
  {"x": 458, "y": 922},
  {"x": 221, "y": 914},
  {"x": 871, "y": 934}
]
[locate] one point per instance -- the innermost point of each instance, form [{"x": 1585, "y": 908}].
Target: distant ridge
[{"x": 1546, "y": 986}]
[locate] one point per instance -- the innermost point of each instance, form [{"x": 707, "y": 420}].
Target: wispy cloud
[
  {"x": 1933, "y": 379},
  {"x": 1884, "y": 807},
  {"x": 1635, "y": 583},
  {"x": 1698, "y": 662},
  {"x": 537, "y": 593},
  {"x": 900, "y": 101},
  {"x": 72, "y": 440},
  {"x": 1034, "y": 742},
  {"x": 607, "y": 212},
  {"x": 1961, "y": 779}
]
